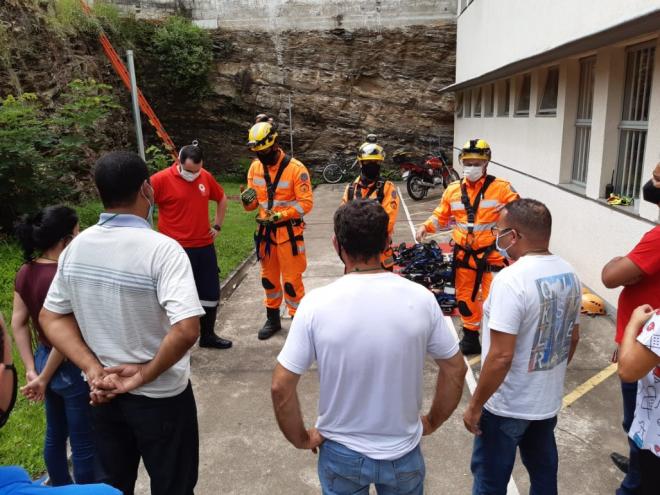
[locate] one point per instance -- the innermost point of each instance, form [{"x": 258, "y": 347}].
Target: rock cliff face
[{"x": 343, "y": 85}]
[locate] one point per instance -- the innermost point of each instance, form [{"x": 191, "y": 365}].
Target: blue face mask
[{"x": 503, "y": 250}]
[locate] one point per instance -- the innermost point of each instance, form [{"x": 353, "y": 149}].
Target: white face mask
[
  {"x": 473, "y": 172},
  {"x": 189, "y": 176}
]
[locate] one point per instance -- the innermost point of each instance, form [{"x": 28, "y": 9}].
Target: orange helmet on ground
[{"x": 592, "y": 305}]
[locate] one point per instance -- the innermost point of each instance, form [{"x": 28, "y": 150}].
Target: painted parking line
[
  {"x": 474, "y": 360},
  {"x": 512, "y": 488},
  {"x": 588, "y": 386}
]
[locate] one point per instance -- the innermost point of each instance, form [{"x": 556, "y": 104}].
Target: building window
[
  {"x": 478, "y": 103},
  {"x": 522, "y": 99},
  {"x": 634, "y": 118},
  {"x": 583, "y": 121},
  {"x": 505, "y": 98},
  {"x": 490, "y": 100},
  {"x": 548, "y": 102},
  {"x": 467, "y": 103},
  {"x": 458, "y": 104}
]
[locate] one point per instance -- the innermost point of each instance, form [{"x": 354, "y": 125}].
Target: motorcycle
[{"x": 434, "y": 172}]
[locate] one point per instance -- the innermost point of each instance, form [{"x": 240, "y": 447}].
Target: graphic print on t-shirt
[{"x": 560, "y": 298}]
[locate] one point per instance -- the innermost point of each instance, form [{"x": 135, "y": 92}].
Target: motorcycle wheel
[
  {"x": 452, "y": 176},
  {"x": 416, "y": 189},
  {"x": 332, "y": 173}
]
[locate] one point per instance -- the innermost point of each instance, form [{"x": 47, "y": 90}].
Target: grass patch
[{"x": 21, "y": 440}]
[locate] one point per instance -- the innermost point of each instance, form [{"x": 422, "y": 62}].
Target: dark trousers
[
  {"x": 161, "y": 431},
  {"x": 204, "y": 263},
  {"x": 495, "y": 453},
  {"x": 649, "y": 465},
  {"x": 632, "y": 481}
]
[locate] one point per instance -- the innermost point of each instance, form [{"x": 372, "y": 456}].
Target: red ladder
[{"x": 122, "y": 72}]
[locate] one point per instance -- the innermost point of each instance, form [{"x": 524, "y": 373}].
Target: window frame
[
  {"x": 489, "y": 98},
  {"x": 522, "y": 80},
  {"x": 504, "y": 98},
  {"x": 549, "y": 111},
  {"x": 478, "y": 110}
]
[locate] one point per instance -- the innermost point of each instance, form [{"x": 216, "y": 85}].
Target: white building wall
[
  {"x": 494, "y": 33},
  {"x": 279, "y": 15},
  {"x": 586, "y": 231}
]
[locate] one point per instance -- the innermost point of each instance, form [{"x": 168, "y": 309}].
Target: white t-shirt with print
[
  {"x": 645, "y": 429},
  {"x": 369, "y": 334},
  {"x": 538, "y": 299}
]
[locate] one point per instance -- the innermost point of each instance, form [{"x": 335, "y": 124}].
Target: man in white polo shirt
[
  {"x": 369, "y": 332},
  {"x": 124, "y": 308}
]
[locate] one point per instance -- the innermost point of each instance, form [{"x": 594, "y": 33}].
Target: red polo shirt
[
  {"x": 646, "y": 255},
  {"x": 183, "y": 207}
]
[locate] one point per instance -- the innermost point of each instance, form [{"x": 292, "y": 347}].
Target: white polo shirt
[
  {"x": 126, "y": 286},
  {"x": 370, "y": 334}
]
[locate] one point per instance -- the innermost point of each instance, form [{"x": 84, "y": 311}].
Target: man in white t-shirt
[
  {"x": 369, "y": 332},
  {"x": 530, "y": 334},
  {"x": 123, "y": 307}
]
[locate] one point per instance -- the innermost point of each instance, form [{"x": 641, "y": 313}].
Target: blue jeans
[
  {"x": 495, "y": 453},
  {"x": 632, "y": 482},
  {"x": 68, "y": 415},
  {"x": 344, "y": 471}
]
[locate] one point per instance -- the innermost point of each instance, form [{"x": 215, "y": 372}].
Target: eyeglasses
[{"x": 497, "y": 232}]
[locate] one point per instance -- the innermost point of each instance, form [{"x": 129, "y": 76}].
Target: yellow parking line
[
  {"x": 589, "y": 385},
  {"x": 474, "y": 360}
]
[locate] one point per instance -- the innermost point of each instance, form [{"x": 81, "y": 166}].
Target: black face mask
[
  {"x": 651, "y": 193},
  {"x": 269, "y": 158},
  {"x": 370, "y": 171},
  {"x": 4, "y": 415}
]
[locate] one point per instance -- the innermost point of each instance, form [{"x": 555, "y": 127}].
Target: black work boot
[
  {"x": 272, "y": 325},
  {"x": 620, "y": 461},
  {"x": 470, "y": 343},
  {"x": 208, "y": 338}
]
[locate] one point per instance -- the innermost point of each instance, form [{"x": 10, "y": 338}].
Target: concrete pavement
[{"x": 243, "y": 452}]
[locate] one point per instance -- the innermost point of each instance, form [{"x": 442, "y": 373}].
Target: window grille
[
  {"x": 583, "y": 121},
  {"x": 548, "y": 103},
  {"x": 522, "y": 101}
]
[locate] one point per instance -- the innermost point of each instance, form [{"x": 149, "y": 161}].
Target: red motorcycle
[{"x": 434, "y": 172}]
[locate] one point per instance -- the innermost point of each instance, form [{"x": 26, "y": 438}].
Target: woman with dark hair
[{"x": 43, "y": 236}]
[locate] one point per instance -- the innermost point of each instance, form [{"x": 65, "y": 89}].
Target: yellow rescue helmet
[
  {"x": 371, "y": 152},
  {"x": 475, "y": 149},
  {"x": 261, "y": 136},
  {"x": 592, "y": 305}
]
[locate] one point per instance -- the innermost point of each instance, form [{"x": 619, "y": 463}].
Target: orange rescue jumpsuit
[
  {"x": 281, "y": 247},
  {"x": 390, "y": 202},
  {"x": 475, "y": 247}
]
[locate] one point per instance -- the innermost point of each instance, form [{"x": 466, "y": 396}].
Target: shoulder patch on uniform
[
  {"x": 394, "y": 194},
  {"x": 304, "y": 177}
]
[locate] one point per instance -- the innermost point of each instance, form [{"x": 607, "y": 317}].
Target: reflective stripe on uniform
[
  {"x": 477, "y": 227},
  {"x": 208, "y": 304},
  {"x": 291, "y": 303},
  {"x": 297, "y": 206},
  {"x": 260, "y": 181},
  {"x": 489, "y": 203},
  {"x": 274, "y": 295},
  {"x": 457, "y": 206},
  {"x": 435, "y": 223}
]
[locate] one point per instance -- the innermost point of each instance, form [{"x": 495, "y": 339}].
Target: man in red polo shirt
[
  {"x": 639, "y": 274},
  {"x": 182, "y": 193}
]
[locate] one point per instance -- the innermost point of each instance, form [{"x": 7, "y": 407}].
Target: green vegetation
[
  {"x": 45, "y": 155},
  {"x": 21, "y": 441}
]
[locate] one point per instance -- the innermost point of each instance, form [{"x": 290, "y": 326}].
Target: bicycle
[{"x": 338, "y": 169}]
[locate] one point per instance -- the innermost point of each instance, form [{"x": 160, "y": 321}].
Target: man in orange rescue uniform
[
  {"x": 370, "y": 185},
  {"x": 475, "y": 203},
  {"x": 280, "y": 187}
]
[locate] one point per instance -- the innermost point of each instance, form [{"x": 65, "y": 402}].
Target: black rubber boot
[
  {"x": 470, "y": 343},
  {"x": 208, "y": 338},
  {"x": 620, "y": 461},
  {"x": 272, "y": 325}
]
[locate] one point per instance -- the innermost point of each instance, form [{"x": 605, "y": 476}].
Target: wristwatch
[{"x": 217, "y": 227}]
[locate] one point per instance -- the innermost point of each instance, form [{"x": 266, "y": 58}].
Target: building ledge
[{"x": 639, "y": 26}]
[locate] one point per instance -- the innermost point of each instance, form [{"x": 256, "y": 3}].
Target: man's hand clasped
[{"x": 107, "y": 383}]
